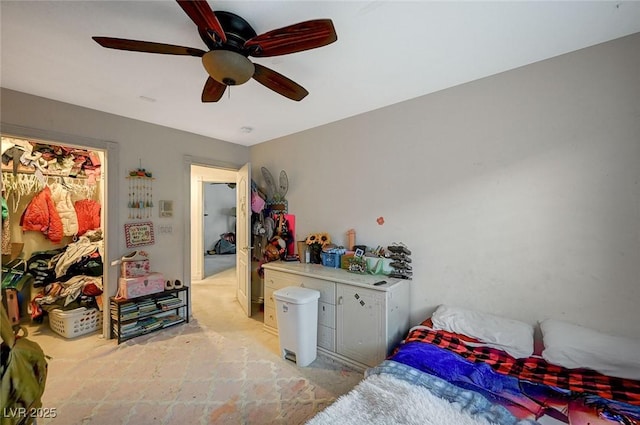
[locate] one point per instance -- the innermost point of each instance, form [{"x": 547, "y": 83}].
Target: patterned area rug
[{"x": 188, "y": 375}]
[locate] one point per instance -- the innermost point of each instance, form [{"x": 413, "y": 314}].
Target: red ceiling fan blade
[
  {"x": 293, "y": 38},
  {"x": 202, "y": 15},
  {"x": 147, "y": 46},
  {"x": 279, "y": 83},
  {"x": 213, "y": 90}
]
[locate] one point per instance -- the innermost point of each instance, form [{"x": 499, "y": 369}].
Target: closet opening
[{"x": 54, "y": 280}]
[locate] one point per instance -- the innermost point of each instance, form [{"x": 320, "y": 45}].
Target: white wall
[
  {"x": 162, "y": 150},
  {"x": 518, "y": 194},
  {"x": 219, "y": 199}
]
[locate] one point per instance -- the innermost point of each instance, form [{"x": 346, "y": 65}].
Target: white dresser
[{"x": 358, "y": 323}]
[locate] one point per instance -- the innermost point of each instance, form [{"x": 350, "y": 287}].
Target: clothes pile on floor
[
  {"x": 69, "y": 277},
  {"x": 225, "y": 245}
]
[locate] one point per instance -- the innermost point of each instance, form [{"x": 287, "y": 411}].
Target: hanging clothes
[
  {"x": 6, "y": 229},
  {"x": 41, "y": 216},
  {"x": 88, "y": 212},
  {"x": 62, "y": 199},
  {"x": 5, "y": 209}
]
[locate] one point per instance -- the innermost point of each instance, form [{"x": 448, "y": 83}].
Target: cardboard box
[
  {"x": 344, "y": 260},
  {"x": 134, "y": 268},
  {"x": 141, "y": 285}
]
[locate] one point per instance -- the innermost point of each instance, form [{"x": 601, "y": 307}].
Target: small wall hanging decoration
[
  {"x": 140, "y": 201},
  {"x": 139, "y": 234}
]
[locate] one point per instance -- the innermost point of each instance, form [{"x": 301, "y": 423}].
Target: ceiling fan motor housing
[
  {"x": 228, "y": 63},
  {"x": 237, "y": 30}
]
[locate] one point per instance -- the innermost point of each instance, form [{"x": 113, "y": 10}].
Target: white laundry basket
[
  {"x": 297, "y": 315},
  {"x": 73, "y": 323}
]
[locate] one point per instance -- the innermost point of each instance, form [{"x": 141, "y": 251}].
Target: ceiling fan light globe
[{"x": 228, "y": 67}]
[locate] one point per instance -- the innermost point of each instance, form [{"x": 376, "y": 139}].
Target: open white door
[{"x": 243, "y": 238}]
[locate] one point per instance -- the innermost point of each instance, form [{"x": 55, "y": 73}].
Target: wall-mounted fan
[{"x": 231, "y": 41}]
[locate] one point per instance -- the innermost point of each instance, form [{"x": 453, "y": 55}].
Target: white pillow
[
  {"x": 512, "y": 336},
  {"x": 573, "y": 346}
]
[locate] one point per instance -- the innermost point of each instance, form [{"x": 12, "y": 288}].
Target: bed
[{"x": 445, "y": 377}]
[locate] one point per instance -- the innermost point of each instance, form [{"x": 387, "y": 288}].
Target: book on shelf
[
  {"x": 132, "y": 318},
  {"x": 171, "y": 319}
]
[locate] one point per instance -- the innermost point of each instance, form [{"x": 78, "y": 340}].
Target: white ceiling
[{"x": 387, "y": 52}]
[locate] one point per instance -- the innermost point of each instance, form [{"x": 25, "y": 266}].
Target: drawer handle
[{"x": 340, "y": 300}]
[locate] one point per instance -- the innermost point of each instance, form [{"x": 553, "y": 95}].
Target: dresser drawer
[
  {"x": 327, "y": 315},
  {"x": 269, "y": 299},
  {"x": 277, "y": 280},
  {"x": 327, "y": 289},
  {"x": 270, "y": 317},
  {"x": 326, "y": 338}
]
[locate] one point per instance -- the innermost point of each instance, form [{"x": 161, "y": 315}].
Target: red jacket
[
  {"x": 88, "y": 212},
  {"x": 41, "y": 216}
]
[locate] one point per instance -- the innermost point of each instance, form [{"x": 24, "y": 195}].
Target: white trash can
[{"x": 297, "y": 316}]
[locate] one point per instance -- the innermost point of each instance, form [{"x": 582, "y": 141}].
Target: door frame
[
  {"x": 196, "y": 230},
  {"x": 193, "y": 240},
  {"x": 109, "y": 200}
]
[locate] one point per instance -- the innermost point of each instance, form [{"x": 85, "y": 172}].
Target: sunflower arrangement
[
  {"x": 321, "y": 239},
  {"x": 317, "y": 241}
]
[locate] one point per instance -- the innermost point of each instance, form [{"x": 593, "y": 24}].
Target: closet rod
[{"x": 9, "y": 170}]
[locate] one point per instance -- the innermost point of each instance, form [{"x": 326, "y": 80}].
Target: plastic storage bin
[
  {"x": 297, "y": 316},
  {"x": 72, "y": 323},
  {"x": 331, "y": 259}
]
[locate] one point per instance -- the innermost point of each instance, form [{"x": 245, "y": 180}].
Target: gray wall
[
  {"x": 518, "y": 194},
  {"x": 162, "y": 151}
]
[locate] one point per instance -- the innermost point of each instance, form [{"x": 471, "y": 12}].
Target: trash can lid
[{"x": 296, "y": 295}]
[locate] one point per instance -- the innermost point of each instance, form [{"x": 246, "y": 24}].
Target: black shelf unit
[{"x": 132, "y": 322}]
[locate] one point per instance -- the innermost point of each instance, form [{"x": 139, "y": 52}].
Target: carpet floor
[
  {"x": 214, "y": 264},
  {"x": 221, "y": 368}
]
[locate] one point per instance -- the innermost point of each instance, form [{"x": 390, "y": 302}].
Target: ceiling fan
[{"x": 231, "y": 40}]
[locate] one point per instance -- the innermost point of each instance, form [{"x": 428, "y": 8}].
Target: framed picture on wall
[{"x": 139, "y": 234}]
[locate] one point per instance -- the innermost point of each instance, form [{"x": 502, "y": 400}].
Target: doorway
[
  {"x": 219, "y": 227},
  {"x": 203, "y": 177},
  {"x": 98, "y": 186},
  {"x": 200, "y": 175}
]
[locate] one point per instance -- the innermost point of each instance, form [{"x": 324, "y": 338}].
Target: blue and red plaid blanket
[{"x": 529, "y": 388}]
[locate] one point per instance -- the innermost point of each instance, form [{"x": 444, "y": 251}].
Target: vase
[{"x": 315, "y": 251}]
